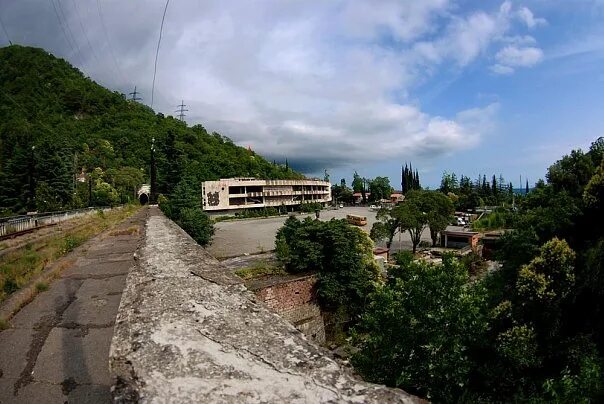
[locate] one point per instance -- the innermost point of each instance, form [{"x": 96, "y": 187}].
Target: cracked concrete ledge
[{"x": 188, "y": 331}]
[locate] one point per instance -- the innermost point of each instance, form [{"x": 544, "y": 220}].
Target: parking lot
[{"x": 252, "y": 236}]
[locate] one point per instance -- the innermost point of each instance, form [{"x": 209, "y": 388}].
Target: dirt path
[{"x": 57, "y": 348}]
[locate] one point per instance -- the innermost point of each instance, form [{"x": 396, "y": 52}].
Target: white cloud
[
  {"x": 519, "y": 40},
  {"x": 526, "y": 16},
  {"x": 519, "y": 57},
  {"x": 325, "y": 83},
  {"x": 501, "y": 69}
]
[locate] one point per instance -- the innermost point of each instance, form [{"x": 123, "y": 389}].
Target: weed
[
  {"x": 41, "y": 286},
  {"x": 19, "y": 267},
  {"x": 125, "y": 232},
  {"x": 259, "y": 270},
  {"x": 71, "y": 242},
  {"x": 4, "y": 324}
]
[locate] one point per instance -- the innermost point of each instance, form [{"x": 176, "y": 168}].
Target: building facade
[{"x": 247, "y": 193}]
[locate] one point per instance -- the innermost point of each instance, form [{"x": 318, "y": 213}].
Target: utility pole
[
  {"x": 181, "y": 110},
  {"x": 153, "y": 176},
  {"x": 32, "y": 185},
  {"x": 133, "y": 94}
]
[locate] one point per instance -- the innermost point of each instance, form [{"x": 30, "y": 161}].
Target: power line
[
  {"x": 161, "y": 28},
  {"x": 70, "y": 41},
  {"x": 75, "y": 4},
  {"x": 119, "y": 70},
  {"x": 62, "y": 27},
  {"x": 5, "y": 32},
  {"x": 71, "y": 36},
  {"x": 181, "y": 110},
  {"x": 133, "y": 94}
]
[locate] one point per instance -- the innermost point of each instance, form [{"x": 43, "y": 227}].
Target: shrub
[
  {"x": 197, "y": 224},
  {"x": 310, "y": 207},
  {"x": 341, "y": 254}
]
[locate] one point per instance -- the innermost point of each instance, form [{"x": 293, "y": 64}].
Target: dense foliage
[
  {"x": 418, "y": 330},
  {"x": 184, "y": 207},
  {"x": 341, "y": 254},
  {"x": 55, "y": 123},
  {"x": 467, "y": 194},
  {"x": 409, "y": 179},
  {"x": 531, "y": 331}
]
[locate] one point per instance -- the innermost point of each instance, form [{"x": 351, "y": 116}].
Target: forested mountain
[{"x": 55, "y": 123}]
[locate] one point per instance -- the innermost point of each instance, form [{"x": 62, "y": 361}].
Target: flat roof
[{"x": 461, "y": 233}]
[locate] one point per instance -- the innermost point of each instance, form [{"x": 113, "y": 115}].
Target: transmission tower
[
  {"x": 134, "y": 95},
  {"x": 181, "y": 110}
]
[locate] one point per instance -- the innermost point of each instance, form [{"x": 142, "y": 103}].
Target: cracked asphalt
[{"x": 57, "y": 348}]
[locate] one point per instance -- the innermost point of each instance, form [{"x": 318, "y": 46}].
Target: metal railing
[{"x": 15, "y": 224}]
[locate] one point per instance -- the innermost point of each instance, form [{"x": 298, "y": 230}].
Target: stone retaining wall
[
  {"x": 189, "y": 332},
  {"x": 295, "y": 300}
]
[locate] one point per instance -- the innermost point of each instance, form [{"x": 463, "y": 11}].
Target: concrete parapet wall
[{"x": 187, "y": 331}]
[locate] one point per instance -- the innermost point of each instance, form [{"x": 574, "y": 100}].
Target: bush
[
  {"x": 197, "y": 224},
  {"x": 418, "y": 331},
  {"x": 310, "y": 207},
  {"x": 341, "y": 254}
]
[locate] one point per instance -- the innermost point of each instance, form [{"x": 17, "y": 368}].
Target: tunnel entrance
[{"x": 144, "y": 199}]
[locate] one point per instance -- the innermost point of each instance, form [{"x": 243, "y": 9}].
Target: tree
[
  {"x": 197, "y": 224},
  {"x": 380, "y": 188},
  {"x": 385, "y": 228},
  {"x": 184, "y": 207},
  {"x": 418, "y": 331},
  {"x": 341, "y": 254},
  {"x": 440, "y": 210},
  {"x": 418, "y": 210},
  {"x": 103, "y": 194},
  {"x": 571, "y": 173}
]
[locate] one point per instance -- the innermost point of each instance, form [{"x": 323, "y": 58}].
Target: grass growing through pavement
[
  {"x": 41, "y": 286},
  {"x": 259, "y": 270},
  {"x": 18, "y": 268}
]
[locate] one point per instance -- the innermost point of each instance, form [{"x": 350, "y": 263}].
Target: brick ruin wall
[{"x": 296, "y": 301}]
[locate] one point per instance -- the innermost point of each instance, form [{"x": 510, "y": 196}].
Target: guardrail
[{"x": 16, "y": 224}]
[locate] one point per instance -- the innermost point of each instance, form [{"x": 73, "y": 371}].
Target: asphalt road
[
  {"x": 57, "y": 347},
  {"x": 252, "y": 236}
]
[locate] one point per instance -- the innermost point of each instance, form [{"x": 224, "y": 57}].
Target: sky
[{"x": 471, "y": 87}]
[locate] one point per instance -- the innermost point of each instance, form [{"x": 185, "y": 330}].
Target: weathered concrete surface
[
  {"x": 189, "y": 332},
  {"x": 57, "y": 348}
]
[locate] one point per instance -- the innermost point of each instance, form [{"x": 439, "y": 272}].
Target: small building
[
  {"x": 396, "y": 197},
  {"x": 358, "y": 197},
  {"x": 233, "y": 194},
  {"x": 490, "y": 243},
  {"x": 457, "y": 237},
  {"x": 82, "y": 177},
  {"x": 381, "y": 252}
]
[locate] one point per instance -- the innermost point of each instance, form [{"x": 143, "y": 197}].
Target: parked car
[
  {"x": 341, "y": 205},
  {"x": 461, "y": 221},
  {"x": 373, "y": 207}
]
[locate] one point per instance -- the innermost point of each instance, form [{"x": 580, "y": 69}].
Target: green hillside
[{"x": 55, "y": 122}]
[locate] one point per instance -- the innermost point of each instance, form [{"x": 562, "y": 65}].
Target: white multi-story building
[{"x": 246, "y": 193}]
